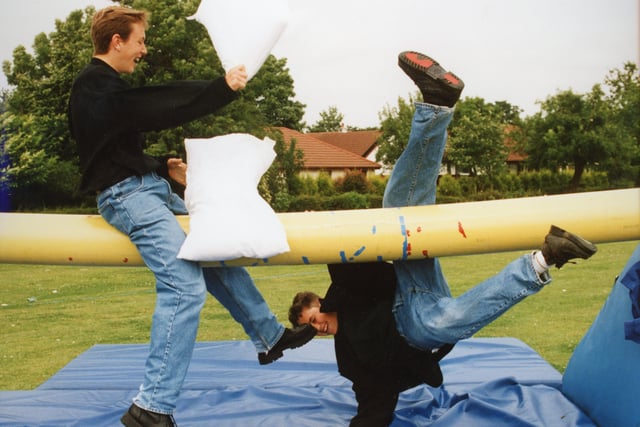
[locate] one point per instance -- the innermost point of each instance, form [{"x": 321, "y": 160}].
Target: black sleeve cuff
[{"x": 163, "y": 169}]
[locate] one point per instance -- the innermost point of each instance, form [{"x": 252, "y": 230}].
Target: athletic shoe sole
[{"x": 422, "y": 63}]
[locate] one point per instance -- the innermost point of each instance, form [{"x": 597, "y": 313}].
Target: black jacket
[
  {"x": 107, "y": 117},
  {"x": 369, "y": 350}
]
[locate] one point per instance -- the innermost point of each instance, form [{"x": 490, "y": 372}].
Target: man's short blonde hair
[{"x": 114, "y": 20}]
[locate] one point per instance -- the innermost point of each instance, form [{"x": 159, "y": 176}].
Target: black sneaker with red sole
[{"x": 438, "y": 86}]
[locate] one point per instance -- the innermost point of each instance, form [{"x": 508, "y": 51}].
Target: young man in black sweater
[
  {"x": 107, "y": 118},
  {"x": 393, "y": 322}
]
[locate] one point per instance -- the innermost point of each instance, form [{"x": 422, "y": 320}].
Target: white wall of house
[{"x": 333, "y": 173}]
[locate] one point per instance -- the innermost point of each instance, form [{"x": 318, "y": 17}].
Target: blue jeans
[
  {"x": 426, "y": 314},
  {"x": 144, "y": 208}
]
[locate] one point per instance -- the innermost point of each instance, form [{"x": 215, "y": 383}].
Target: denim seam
[
  {"x": 255, "y": 326},
  {"x": 167, "y": 350},
  {"x": 416, "y": 171},
  {"x": 517, "y": 297}
]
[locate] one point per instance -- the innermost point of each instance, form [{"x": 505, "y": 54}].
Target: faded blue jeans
[
  {"x": 144, "y": 208},
  {"x": 426, "y": 314}
]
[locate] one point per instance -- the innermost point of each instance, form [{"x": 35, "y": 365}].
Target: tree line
[{"x": 598, "y": 131}]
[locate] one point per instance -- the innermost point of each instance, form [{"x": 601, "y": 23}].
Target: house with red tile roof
[
  {"x": 321, "y": 156},
  {"x": 516, "y": 160},
  {"x": 364, "y": 143},
  {"x": 337, "y": 152}
]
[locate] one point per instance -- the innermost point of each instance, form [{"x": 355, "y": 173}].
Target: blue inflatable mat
[
  {"x": 603, "y": 375},
  {"x": 488, "y": 382}
]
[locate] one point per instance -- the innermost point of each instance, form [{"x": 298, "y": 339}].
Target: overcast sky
[{"x": 343, "y": 53}]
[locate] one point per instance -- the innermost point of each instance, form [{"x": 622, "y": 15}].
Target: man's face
[
  {"x": 129, "y": 52},
  {"x": 324, "y": 323}
]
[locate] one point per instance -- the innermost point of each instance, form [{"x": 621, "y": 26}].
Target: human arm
[
  {"x": 236, "y": 79},
  {"x": 156, "y": 108},
  {"x": 104, "y": 110},
  {"x": 105, "y": 102},
  {"x": 174, "y": 104}
]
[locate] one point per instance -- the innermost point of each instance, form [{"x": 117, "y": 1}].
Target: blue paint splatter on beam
[
  {"x": 359, "y": 251},
  {"x": 405, "y": 243}
]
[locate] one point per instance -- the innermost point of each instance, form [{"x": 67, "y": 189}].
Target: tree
[
  {"x": 4, "y": 94},
  {"x": 44, "y": 164},
  {"x": 624, "y": 101},
  {"x": 598, "y": 130},
  {"x": 280, "y": 181},
  {"x": 507, "y": 114},
  {"x": 272, "y": 91},
  {"x": 331, "y": 120},
  {"x": 477, "y": 137},
  {"x": 43, "y": 159},
  {"x": 395, "y": 124},
  {"x": 571, "y": 130}
]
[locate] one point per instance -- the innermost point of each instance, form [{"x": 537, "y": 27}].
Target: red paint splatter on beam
[{"x": 461, "y": 230}]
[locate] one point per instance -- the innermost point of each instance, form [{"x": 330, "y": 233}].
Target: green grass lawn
[{"x": 51, "y": 314}]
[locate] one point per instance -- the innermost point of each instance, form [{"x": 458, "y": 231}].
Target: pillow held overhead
[
  {"x": 228, "y": 218},
  {"x": 243, "y": 31}
]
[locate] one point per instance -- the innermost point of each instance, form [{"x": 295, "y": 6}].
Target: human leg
[
  {"x": 234, "y": 288},
  {"x": 425, "y": 312},
  {"x": 428, "y": 318},
  {"x": 415, "y": 174},
  {"x": 141, "y": 208},
  {"x": 413, "y": 182},
  {"x": 237, "y": 292}
]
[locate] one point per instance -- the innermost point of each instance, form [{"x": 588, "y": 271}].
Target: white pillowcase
[
  {"x": 243, "y": 31},
  {"x": 228, "y": 218}
]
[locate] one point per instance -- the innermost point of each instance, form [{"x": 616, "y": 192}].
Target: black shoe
[
  {"x": 138, "y": 417},
  {"x": 560, "y": 246},
  {"x": 292, "y": 338},
  {"x": 438, "y": 86}
]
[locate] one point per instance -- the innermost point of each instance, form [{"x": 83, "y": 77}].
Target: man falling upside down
[{"x": 393, "y": 322}]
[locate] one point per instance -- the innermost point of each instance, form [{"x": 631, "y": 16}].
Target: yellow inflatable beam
[{"x": 354, "y": 235}]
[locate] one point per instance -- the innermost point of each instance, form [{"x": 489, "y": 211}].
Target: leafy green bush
[
  {"x": 449, "y": 186},
  {"x": 350, "y": 200},
  {"x": 306, "y": 203},
  {"x": 353, "y": 181},
  {"x": 325, "y": 185},
  {"x": 377, "y": 184}
]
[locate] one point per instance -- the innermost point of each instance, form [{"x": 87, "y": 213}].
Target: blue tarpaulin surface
[
  {"x": 488, "y": 382},
  {"x": 603, "y": 375}
]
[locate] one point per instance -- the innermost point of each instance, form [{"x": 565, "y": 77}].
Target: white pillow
[
  {"x": 228, "y": 218},
  {"x": 243, "y": 31}
]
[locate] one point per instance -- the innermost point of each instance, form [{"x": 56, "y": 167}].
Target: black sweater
[
  {"x": 107, "y": 117},
  {"x": 369, "y": 350}
]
